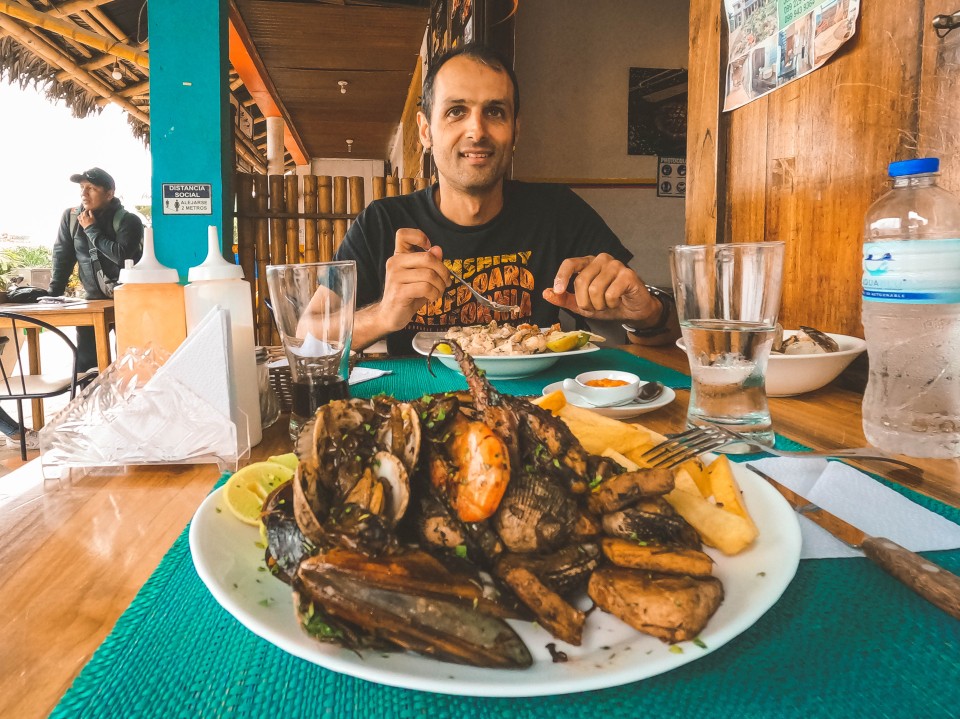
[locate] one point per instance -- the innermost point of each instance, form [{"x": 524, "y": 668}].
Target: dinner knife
[{"x": 933, "y": 583}]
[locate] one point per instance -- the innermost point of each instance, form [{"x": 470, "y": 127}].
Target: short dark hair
[{"x": 475, "y": 51}]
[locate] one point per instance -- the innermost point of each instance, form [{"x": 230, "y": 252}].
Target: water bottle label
[{"x": 920, "y": 272}]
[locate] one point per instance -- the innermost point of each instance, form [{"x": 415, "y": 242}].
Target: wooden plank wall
[{"x": 804, "y": 163}]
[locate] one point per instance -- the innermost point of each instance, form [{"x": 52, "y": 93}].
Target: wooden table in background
[
  {"x": 74, "y": 553},
  {"x": 98, "y": 314}
]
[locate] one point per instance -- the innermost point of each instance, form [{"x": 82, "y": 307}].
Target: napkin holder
[{"x": 144, "y": 411}]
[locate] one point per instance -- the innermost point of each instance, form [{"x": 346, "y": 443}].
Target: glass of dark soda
[{"x": 313, "y": 305}]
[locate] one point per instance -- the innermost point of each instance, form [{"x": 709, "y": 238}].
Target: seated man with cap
[{"x": 96, "y": 237}]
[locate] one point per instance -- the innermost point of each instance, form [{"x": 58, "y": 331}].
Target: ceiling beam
[
  {"x": 103, "y": 61},
  {"x": 58, "y": 59},
  {"x": 246, "y": 61},
  {"x": 69, "y": 8},
  {"x": 70, "y": 30}
]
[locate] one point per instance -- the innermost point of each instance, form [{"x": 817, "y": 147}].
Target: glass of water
[{"x": 728, "y": 298}]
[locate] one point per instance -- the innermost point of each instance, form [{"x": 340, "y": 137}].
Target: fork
[
  {"x": 687, "y": 445},
  {"x": 510, "y": 309}
]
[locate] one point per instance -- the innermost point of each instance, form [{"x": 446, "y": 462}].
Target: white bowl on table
[
  {"x": 604, "y": 388},
  {"x": 789, "y": 375}
]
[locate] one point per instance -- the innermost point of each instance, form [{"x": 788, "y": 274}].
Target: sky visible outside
[{"x": 42, "y": 144}]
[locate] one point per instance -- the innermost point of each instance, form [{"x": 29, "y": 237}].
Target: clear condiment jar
[{"x": 269, "y": 404}]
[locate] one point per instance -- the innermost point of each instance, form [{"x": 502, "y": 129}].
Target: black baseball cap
[{"x": 95, "y": 176}]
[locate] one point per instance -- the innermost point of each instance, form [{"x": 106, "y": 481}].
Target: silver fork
[
  {"x": 510, "y": 309},
  {"x": 689, "y": 444}
]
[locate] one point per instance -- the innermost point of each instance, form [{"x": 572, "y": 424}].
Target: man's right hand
[{"x": 415, "y": 276}]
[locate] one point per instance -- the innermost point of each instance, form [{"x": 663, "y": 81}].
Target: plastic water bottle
[{"x": 911, "y": 315}]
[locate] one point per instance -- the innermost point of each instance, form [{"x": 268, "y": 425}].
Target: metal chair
[{"x": 21, "y": 386}]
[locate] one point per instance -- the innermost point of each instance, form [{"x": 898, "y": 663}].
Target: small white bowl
[
  {"x": 789, "y": 375},
  {"x": 605, "y": 396}
]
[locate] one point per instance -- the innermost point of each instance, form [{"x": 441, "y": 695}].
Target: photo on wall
[
  {"x": 657, "y": 112},
  {"x": 461, "y": 22},
  {"x": 437, "y": 33}
]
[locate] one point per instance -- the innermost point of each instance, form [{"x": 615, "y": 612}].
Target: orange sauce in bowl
[{"x": 605, "y": 383}]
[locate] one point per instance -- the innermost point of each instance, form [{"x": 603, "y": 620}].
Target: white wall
[{"x": 573, "y": 59}]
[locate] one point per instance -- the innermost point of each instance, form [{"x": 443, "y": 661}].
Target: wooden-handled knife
[{"x": 935, "y": 584}]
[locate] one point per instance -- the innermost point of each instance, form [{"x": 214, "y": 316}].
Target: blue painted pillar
[{"x": 190, "y": 139}]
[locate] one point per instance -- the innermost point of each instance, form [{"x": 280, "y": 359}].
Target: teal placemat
[
  {"x": 410, "y": 378},
  {"x": 845, "y": 640}
]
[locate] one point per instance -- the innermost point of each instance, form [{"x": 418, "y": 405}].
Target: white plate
[
  {"x": 623, "y": 411},
  {"x": 227, "y": 559},
  {"x": 498, "y": 366}
]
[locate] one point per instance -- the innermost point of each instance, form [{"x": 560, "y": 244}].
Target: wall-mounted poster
[
  {"x": 657, "y": 112},
  {"x": 772, "y": 42},
  {"x": 437, "y": 42},
  {"x": 461, "y": 22}
]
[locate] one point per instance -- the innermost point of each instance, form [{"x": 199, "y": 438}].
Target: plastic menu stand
[{"x": 146, "y": 411}]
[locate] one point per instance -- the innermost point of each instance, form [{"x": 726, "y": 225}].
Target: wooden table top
[{"x": 73, "y": 553}]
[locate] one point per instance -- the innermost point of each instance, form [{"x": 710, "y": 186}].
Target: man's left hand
[{"x": 604, "y": 288}]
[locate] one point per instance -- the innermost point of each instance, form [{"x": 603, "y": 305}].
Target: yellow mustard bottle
[{"x": 149, "y": 304}]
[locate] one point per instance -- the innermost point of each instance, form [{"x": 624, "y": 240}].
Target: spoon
[{"x": 648, "y": 392}]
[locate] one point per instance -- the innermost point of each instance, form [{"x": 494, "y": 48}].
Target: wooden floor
[{"x": 10, "y": 459}]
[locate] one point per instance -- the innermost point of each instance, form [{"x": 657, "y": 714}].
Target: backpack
[{"x": 75, "y": 219}]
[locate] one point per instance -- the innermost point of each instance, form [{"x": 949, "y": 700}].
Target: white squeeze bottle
[
  {"x": 218, "y": 282},
  {"x": 911, "y": 315}
]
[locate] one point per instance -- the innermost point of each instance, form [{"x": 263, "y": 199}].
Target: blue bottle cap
[{"x": 920, "y": 166}]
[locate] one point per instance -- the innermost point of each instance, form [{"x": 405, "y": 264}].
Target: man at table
[
  {"x": 537, "y": 246},
  {"x": 96, "y": 237}
]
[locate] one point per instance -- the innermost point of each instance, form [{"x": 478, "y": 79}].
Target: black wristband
[{"x": 663, "y": 319}]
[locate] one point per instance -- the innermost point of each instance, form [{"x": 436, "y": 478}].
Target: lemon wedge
[
  {"x": 564, "y": 342},
  {"x": 245, "y": 491},
  {"x": 287, "y": 460},
  {"x": 444, "y": 349}
]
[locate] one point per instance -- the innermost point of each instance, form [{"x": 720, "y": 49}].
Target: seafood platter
[
  {"x": 475, "y": 543},
  {"x": 505, "y": 351}
]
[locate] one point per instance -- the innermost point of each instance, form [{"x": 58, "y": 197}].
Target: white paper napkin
[
  {"x": 863, "y": 502},
  {"x": 363, "y": 374}
]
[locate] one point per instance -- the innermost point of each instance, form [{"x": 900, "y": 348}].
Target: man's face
[
  {"x": 473, "y": 128},
  {"x": 93, "y": 197}
]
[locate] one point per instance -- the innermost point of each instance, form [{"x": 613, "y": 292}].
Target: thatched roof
[
  {"x": 89, "y": 53},
  {"x": 48, "y": 45}
]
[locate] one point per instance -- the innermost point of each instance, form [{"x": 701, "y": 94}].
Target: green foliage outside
[{"x": 12, "y": 259}]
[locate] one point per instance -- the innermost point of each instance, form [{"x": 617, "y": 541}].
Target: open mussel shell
[{"x": 286, "y": 545}]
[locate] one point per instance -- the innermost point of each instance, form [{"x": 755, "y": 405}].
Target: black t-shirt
[{"x": 510, "y": 259}]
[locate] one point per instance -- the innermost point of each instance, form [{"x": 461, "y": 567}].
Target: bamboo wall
[
  {"x": 289, "y": 219},
  {"x": 804, "y": 163}
]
